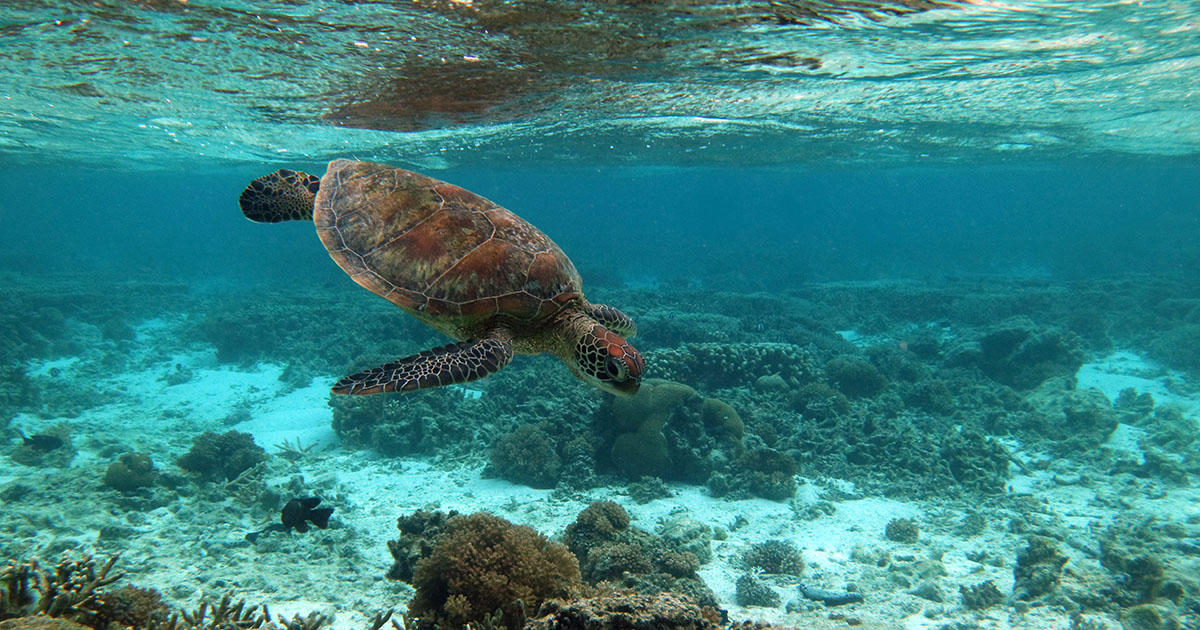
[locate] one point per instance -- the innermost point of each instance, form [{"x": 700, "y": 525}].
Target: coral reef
[
  {"x": 1177, "y": 347},
  {"x": 74, "y": 589},
  {"x": 324, "y": 336},
  {"x": 419, "y": 533},
  {"x": 712, "y": 366},
  {"x": 482, "y": 564},
  {"x": 668, "y": 430},
  {"x": 752, "y": 592},
  {"x": 981, "y": 595},
  {"x": 660, "y": 611},
  {"x": 648, "y": 489},
  {"x": 438, "y": 421},
  {"x": 130, "y": 473},
  {"x": 820, "y": 402},
  {"x": 1021, "y": 354},
  {"x": 854, "y": 377},
  {"x": 1144, "y": 564},
  {"x": 1038, "y": 569},
  {"x": 975, "y": 461},
  {"x": 17, "y": 390},
  {"x": 765, "y": 473},
  {"x": 902, "y": 530},
  {"x": 774, "y": 556},
  {"x": 75, "y": 594},
  {"x": 611, "y": 550},
  {"x": 526, "y": 456},
  {"x": 1076, "y": 421},
  {"x": 222, "y": 456},
  {"x": 640, "y": 447},
  {"x": 687, "y": 535}
]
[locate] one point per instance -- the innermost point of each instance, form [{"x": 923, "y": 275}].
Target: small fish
[
  {"x": 44, "y": 443},
  {"x": 297, "y": 514}
]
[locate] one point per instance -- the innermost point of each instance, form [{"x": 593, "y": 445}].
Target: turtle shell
[{"x": 436, "y": 250}]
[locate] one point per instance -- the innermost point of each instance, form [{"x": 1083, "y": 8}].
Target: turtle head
[{"x": 606, "y": 360}]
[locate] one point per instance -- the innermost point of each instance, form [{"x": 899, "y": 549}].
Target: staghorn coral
[
  {"x": 75, "y": 595},
  {"x": 73, "y": 589},
  {"x": 482, "y": 563}
]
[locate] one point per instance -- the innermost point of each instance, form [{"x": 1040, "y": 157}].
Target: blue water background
[{"x": 722, "y": 228}]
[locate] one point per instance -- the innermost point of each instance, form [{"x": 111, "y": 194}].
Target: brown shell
[{"x": 436, "y": 250}]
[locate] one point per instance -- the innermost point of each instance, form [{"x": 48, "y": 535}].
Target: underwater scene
[{"x": 599, "y": 314}]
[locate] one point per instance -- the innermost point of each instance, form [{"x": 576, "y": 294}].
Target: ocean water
[{"x": 914, "y": 280}]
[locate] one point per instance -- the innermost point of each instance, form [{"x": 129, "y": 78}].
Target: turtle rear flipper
[
  {"x": 284, "y": 195},
  {"x": 455, "y": 363}
]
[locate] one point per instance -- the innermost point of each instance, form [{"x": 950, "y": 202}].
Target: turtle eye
[{"x": 615, "y": 368}]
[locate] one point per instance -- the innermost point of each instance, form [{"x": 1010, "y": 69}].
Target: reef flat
[{"x": 974, "y": 452}]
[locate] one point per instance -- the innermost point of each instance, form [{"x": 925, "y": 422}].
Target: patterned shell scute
[{"x": 435, "y": 249}]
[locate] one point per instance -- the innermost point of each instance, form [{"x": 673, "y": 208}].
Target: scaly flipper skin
[
  {"x": 281, "y": 196},
  {"x": 613, "y": 319},
  {"x": 455, "y": 363}
]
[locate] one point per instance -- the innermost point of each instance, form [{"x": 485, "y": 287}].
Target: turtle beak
[{"x": 627, "y": 387}]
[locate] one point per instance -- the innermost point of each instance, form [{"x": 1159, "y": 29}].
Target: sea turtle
[{"x": 459, "y": 263}]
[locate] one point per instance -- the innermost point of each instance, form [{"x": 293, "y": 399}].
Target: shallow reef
[
  {"x": 481, "y": 569},
  {"x": 953, "y": 409}
]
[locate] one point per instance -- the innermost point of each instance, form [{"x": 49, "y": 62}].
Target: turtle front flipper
[
  {"x": 455, "y": 363},
  {"x": 281, "y": 196},
  {"x": 613, "y": 319}
]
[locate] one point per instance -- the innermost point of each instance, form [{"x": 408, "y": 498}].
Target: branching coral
[
  {"x": 228, "y": 615},
  {"x": 74, "y": 589}
]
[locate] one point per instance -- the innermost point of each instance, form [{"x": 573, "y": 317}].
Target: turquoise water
[{"x": 915, "y": 282}]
